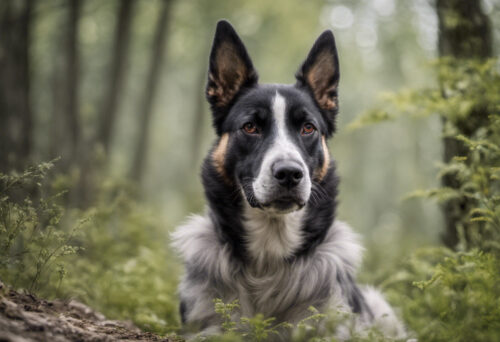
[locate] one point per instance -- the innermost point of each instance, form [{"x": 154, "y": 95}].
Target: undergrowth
[
  {"x": 32, "y": 247},
  {"x": 445, "y": 294},
  {"x": 317, "y": 327},
  {"x": 112, "y": 256}
]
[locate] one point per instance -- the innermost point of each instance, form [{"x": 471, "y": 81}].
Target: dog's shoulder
[
  {"x": 195, "y": 236},
  {"x": 342, "y": 244}
]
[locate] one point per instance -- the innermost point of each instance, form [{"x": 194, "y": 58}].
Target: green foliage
[
  {"x": 478, "y": 175},
  {"x": 450, "y": 295},
  {"x": 113, "y": 256},
  {"x": 224, "y": 310},
  {"x": 468, "y": 101},
  {"x": 257, "y": 328},
  {"x": 466, "y": 87},
  {"x": 33, "y": 246},
  {"x": 126, "y": 270},
  {"x": 260, "y": 328},
  {"x": 458, "y": 301},
  {"x": 317, "y": 327},
  {"x": 311, "y": 322}
]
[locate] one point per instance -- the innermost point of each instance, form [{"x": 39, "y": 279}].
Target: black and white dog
[{"x": 270, "y": 238}]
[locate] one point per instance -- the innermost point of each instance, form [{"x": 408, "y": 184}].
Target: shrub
[{"x": 33, "y": 246}]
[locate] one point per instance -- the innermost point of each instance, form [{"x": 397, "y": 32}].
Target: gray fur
[{"x": 272, "y": 283}]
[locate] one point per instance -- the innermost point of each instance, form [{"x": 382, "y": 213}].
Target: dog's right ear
[{"x": 230, "y": 70}]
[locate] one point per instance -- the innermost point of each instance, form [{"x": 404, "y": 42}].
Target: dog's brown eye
[
  {"x": 250, "y": 128},
  {"x": 308, "y": 128}
]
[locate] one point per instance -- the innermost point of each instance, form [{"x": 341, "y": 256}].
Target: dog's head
[{"x": 272, "y": 138}]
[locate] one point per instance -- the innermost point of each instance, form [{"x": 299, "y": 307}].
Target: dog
[{"x": 270, "y": 238}]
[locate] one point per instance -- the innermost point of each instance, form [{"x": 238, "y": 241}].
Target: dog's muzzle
[{"x": 285, "y": 187}]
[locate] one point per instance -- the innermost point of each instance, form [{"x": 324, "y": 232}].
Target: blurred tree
[
  {"x": 90, "y": 164},
  {"x": 72, "y": 74},
  {"x": 117, "y": 73},
  {"x": 66, "y": 123},
  {"x": 198, "y": 113},
  {"x": 57, "y": 127},
  {"x": 16, "y": 119},
  {"x": 150, "y": 90},
  {"x": 464, "y": 33}
]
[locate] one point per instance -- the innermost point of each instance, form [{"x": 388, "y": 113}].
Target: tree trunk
[
  {"x": 16, "y": 119},
  {"x": 464, "y": 33},
  {"x": 65, "y": 130},
  {"x": 150, "y": 90},
  {"x": 199, "y": 115},
  {"x": 90, "y": 164},
  {"x": 57, "y": 127},
  {"x": 117, "y": 73},
  {"x": 72, "y": 74}
]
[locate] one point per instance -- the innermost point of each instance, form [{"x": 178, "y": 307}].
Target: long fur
[
  {"x": 283, "y": 289},
  {"x": 276, "y": 248}
]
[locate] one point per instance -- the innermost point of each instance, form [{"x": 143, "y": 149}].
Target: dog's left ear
[
  {"x": 230, "y": 70},
  {"x": 320, "y": 75}
]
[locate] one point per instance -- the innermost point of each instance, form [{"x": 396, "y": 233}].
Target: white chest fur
[{"x": 271, "y": 238}]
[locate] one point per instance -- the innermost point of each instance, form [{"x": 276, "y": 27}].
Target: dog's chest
[
  {"x": 272, "y": 283},
  {"x": 268, "y": 291},
  {"x": 270, "y": 239}
]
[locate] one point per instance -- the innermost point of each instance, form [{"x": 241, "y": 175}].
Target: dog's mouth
[
  {"x": 284, "y": 204},
  {"x": 279, "y": 205}
]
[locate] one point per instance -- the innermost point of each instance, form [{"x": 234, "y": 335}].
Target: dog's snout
[{"x": 288, "y": 174}]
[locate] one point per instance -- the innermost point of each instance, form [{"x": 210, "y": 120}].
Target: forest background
[{"x": 104, "y": 125}]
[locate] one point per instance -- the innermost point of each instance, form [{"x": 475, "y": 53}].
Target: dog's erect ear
[
  {"x": 230, "y": 69},
  {"x": 320, "y": 75}
]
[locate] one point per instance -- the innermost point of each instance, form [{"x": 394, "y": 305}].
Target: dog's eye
[
  {"x": 307, "y": 129},
  {"x": 250, "y": 128}
]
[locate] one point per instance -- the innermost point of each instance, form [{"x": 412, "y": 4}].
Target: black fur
[
  {"x": 243, "y": 159},
  {"x": 252, "y": 102},
  {"x": 321, "y": 213},
  {"x": 183, "y": 311},
  {"x": 354, "y": 296},
  {"x": 225, "y": 202},
  {"x": 244, "y": 155}
]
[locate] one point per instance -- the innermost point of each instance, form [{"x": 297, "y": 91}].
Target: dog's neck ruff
[
  {"x": 198, "y": 242},
  {"x": 308, "y": 280},
  {"x": 270, "y": 237}
]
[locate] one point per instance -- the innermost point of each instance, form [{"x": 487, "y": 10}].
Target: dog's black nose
[{"x": 287, "y": 174}]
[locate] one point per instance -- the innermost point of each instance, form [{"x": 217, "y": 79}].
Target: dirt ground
[{"x": 25, "y": 318}]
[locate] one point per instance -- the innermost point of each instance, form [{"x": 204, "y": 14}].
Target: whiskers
[
  {"x": 318, "y": 194},
  {"x": 246, "y": 184}
]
